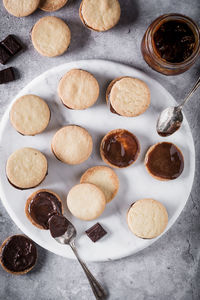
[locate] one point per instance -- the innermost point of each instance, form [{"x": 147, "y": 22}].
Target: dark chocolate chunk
[
  {"x": 58, "y": 225},
  {"x": 11, "y": 45},
  {"x": 19, "y": 254},
  {"x": 4, "y": 55},
  {"x": 96, "y": 232},
  {"x": 7, "y": 75}
]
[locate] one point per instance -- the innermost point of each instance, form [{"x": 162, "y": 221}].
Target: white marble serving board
[{"x": 135, "y": 182}]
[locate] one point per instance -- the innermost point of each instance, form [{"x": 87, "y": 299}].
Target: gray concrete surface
[{"x": 169, "y": 269}]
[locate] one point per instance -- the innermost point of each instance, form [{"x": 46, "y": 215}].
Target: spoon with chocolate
[
  {"x": 171, "y": 118},
  {"x": 64, "y": 233}
]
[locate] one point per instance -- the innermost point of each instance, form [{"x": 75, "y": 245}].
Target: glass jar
[{"x": 150, "y": 51}]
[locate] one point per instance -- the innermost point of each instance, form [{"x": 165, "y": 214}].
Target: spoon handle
[
  {"x": 98, "y": 291},
  {"x": 195, "y": 87}
]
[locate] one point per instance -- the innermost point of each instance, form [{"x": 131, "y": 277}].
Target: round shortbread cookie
[
  {"x": 21, "y": 8},
  {"x": 104, "y": 178},
  {"x": 86, "y": 201},
  {"x": 78, "y": 89},
  {"x": 72, "y": 144},
  {"x": 30, "y": 115},
  {"x": 51, "y": 36},
  {"x": 26, "y": 168},
  {"x": 43, "y": 208},
  {"x": 20, "y": 255},
  {"x": 164, "y": 161},
  {"x": 52, "y": 5},
  {"x": 128, "y": 96},
  {"x": 100, "y": 15},
  {"x": 147, "y": 218}
]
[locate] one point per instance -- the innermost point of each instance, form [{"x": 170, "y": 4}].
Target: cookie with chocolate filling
[
  {"x": 51, "y": 36},
  {"x": 164, "y": 161},
  {"x": 86, "y": 201},
  {"x": 119, "y": 148},
  {"x": 30, "y": 115},
  {"x": 78, "y": 89},
  {"x": 52, "y": 5},
  {"x": 128, "y": 96},
  {"x": 104, "y": 178},
  {"x": 100, "y": 15},
  {"x": 18, "y": 255},
  {"x": 26, "y": 168},
  {"x": 147, "y": 218},
  {"x": 21, "y": 8},
  {"x": 72, "y": 144},
  {"x": 41, "y": 206}
]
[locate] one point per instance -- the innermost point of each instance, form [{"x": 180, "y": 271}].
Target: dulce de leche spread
[
  {"x": 120, "y": 148},
  {"x": 164, "y": 161},
  {"x": 18, "y": 254}
]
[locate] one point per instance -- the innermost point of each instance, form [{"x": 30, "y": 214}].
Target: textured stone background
[{"x": 167, "y": 270}]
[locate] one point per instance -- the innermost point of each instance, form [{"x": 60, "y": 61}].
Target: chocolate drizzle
[
  {"x": 43, "y": 206},
  {"x": 120, "y": 148},
  {"x": 18, "y": 254},
  {"x": 165, "y": 161}
]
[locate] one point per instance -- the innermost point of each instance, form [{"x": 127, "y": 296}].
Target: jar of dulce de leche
[{"x": 171, "y": 44}]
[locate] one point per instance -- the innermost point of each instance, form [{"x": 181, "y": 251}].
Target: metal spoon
[
  {"x": 64, "y": 233},
  {"x": 171, "y": 118}
]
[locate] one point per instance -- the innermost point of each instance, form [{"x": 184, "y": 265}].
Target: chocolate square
[
  {"x": 11, "y": 45},
  {"x": 7, "y": 75},
  {"x": 96, "y": 232},
  {"x": 4, "y": 55}
]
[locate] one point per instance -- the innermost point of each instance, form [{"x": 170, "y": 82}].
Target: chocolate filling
[
  {"x": 165, "y": 161},
  {"x": 43, "y": 206},
  {"x": 58, "y": 225},
  {"x": 19, "y": 254},
  {"x": 121, "y": 148}
]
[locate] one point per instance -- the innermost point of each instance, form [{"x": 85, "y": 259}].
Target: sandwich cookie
[
  {"x": 26, "y": 168},
  {"x": 86, "y": 201},
  {"x": 30, "y": 115},
  {"x": 147, "y": 218},
  {"x": 128, "y": 96},
  {"x": 100, "y": 15},
  {"x": 164, "y": 161},
  {"x": 104, "y": 178},
  {"x": 119, "y": 148},
  {"x": 72, "y": 144},
  {"x": 51, "y": 36},
  {"x": 21, "y": 8},
  {"x": 18, "y": 255},
  {"x": 52, "y": 5},
  {"x": 41, "y": 206},
  {"x": 78, "y": 89}
]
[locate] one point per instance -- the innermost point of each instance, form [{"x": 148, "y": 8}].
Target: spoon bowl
[{"x": 169, "y": 121}]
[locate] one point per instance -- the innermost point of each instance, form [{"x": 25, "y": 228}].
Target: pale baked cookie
[
  {"x": 164, "y": 161},
  {"x": 72, "y": 144},
  {"x": 78, "y": 89},
  {"x": 147, "y": 218},
  {"x": 18, "y": 255},
  {"x": 128, "y": 96},
  {"x": 30, "y": 115},
  {"x": 104, "y": 178},
  {"x": 86, "y": 201},
  {"x": 21, "y": 8},
  {"x": 100, "y": 15},
  {"x": 26, "y": 168},
  {"x": 41, "y": 206},
  {"x": 51, "y": 36},
  {"x": 52, "y": 5}
]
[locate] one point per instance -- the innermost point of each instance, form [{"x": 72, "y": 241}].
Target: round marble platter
[{"x": 135, "y": 182}]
